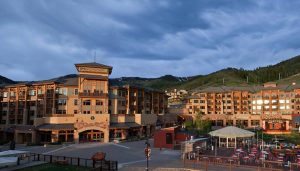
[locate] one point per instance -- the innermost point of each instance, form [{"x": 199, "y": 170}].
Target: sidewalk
[{"x": 12, "y": 168}]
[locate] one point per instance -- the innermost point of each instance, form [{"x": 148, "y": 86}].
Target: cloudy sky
[{"x": 43, "y": 39}]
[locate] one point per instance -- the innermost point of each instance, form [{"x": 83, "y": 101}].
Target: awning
[
  {"x": 10, "y": 129},
  {"x": 124, "y": 125},
  {"x": 50, "y": 127}
]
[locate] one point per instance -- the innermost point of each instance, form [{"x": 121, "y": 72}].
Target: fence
[
  {"x": 210, "y": 162},
  {"x": 93, "y": 164}
]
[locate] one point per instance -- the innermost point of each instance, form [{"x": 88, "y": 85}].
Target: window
[
  {"x": 32, "y": 103},
  {"x": 76, "y": 91},
  {"x": 62, "y": 91},
  {"x": 169, "y": 138},
  {"x": 32, "y": 112},
  {"x": 99, "y": 103},
  {"x": 86, "y": 112},
  {"x": 75, "y": 111},
  {"x": 12, "y": 94},
  {"x": 98, "y": 112},
  {"x": 75, "y": 102},
  {"x": 40, "y": 91},
  {"x": 87, "y": 102},
  {"x": 196, "y": 101},
  {"x": 62, "y": 102},
  {"x": 32, "y": 92},
  {"x": 4, "y": 113},
  {"x": 4, "y": 104},
  {"x": 61, "y": 111},
  {"x": 5, "y": 94}
]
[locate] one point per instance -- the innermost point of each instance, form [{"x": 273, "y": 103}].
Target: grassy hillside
[
  {"x": 288, "y": 71},
  {"x": 231, "y": 76}
]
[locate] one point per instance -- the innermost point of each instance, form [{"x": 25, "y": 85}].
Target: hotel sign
[
  {"x": 271, "y": 116},
  {"x": 96, "y": 70},
  {"x": 82, "y": 125}
]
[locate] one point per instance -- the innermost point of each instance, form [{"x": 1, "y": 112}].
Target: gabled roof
[{"x": 231, "y": 132}]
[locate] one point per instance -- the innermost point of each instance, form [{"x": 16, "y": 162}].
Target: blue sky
[{"x": 147, "y": 38}]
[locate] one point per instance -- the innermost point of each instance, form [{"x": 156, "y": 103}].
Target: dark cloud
[{"x": 43, "y": 39}]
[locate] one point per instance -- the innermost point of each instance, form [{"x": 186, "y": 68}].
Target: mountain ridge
[{"x": 286, "y": 71}]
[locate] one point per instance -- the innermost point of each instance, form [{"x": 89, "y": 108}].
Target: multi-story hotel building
[
  {"x": 78, "y": 108},
  {"x": 271, "y": 107},
  {"x": 176, "y": 96}
]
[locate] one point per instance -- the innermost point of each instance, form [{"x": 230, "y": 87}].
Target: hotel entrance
[{"x": 91, "y": 136}]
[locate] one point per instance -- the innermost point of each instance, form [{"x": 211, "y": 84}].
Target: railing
[
  {"x": 60, "y": 115},
  {"x": 92, "y": 94},
  {"x": 77, "y": 161},
  {"x": 12, "y": 97},
  {"x": 206, "y": 162}
]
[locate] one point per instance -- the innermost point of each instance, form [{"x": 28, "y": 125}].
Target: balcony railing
[
  {"x": 59, "y": 115},
  {"x": 12, "y": 97},
  {"x": 297, "y": 96},
  {"x": 40, "y": 96},
  {"x": 92, "y": 94}
]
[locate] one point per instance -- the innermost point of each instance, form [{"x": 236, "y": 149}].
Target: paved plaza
[
  {"x": 126, "y": 153},
  {"x": 130, "y": 155}
]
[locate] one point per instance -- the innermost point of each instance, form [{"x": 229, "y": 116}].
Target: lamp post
[
  {"x": 276, "y": 141},
  {"x": 198, "y": 152},
  {"x": 147, "y": 153},
  {"x": 216, "y": 146},
  {"x": 262, "y": 140}
]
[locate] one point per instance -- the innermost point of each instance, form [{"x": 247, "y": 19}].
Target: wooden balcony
[
  {"x": 40, "y": 96},
  {"x": 244, "y": 98},
  {"x": 11, "y": 116},
  {"x": 22, "y": 97},
  {"x": 93, "y": 94},
  {"x": 12, "y": 97}
]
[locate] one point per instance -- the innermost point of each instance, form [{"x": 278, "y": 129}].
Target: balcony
[
  {"x": 40, "y": 96},
  {"x": 93, "y": 94},
  {"x": 59, "y": 115},
  {"x": 209, "y": 97},
  {"x": 12, "y": 97},
  {"x": 297, "y": 96},
  {"x": 11, "y": 116},
  {"x": 22, "y": 97}
]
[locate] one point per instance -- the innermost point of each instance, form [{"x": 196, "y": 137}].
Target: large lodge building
[
  {"x": 79, "y": 108},
  {"x": 275, "y": 108}
]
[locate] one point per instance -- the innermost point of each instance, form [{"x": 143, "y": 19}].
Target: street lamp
[
  {"x": 276, "y": 141},
  {"x": 216, "y": 146},
  {"x": 198, "y": 152},
  {"x": 147, "y": 153}
]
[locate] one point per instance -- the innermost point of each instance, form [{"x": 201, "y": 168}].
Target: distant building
[
  {"x": 275, "y": 108},
  {"x": 176, "y": 96},
  {"x": 79, "y": 108}
]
